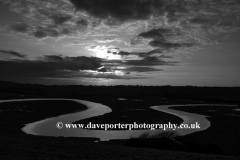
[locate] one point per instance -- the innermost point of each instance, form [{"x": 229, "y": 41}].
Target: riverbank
[
  {"x": 14, "y": 115},
  {"x": 224, "y": 131}
]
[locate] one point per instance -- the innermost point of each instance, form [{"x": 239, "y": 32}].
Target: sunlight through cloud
[{"x": 103, "y": 52}]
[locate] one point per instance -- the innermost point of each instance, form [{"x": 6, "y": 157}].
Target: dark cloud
[
  {"x": 13, "y": 53},
  {"x": 76, "y": 63},
  {"x": 156, "y": 52},
  {"x": 53, "y": 66},
  {"x": 123, "y": 53},
  {"x": 200, "y": 20},
  {"x": 20, "y": 27},
  {"x": 53, "y": 58},
  {"x": 149, "y": 61},
  {"x": 104, "y": 70},
  {"x": 168, "y": 45},
  {"x": 176, "y": 7},
  {"x": 159, "y": 38},
  {"x": 164, "y": 56},
  {"x": 66, "y": 31},
  {"x": 121, "y": 10},
  {"x": 82, "y": 22},
  {"x": 60, "y": 19},
  {"x": 49, "y": 66},
  {"x": 134, "y": 41},
  {"x": 141, "y": 69},
  {"x": 57, "y": 17},
  {"x": 54, "y": 27},
  {"x": 42, "y": 32},
  {"x": 159, "y": 33},
  {"x": 45, "y": 30}
]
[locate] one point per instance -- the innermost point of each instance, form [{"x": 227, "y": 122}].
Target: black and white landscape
[{"x": 95, "y": 62}]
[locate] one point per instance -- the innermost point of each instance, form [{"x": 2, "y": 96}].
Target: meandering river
[{"x": 47, "y": 127}]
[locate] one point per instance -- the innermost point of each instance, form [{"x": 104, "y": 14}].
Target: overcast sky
[{"x": 114, "y": 42}]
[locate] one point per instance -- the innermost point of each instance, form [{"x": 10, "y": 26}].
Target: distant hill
[{"x": 7, "y": 84}]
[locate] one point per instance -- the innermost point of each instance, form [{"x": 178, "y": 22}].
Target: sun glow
[{"x": 103, "y": 52}]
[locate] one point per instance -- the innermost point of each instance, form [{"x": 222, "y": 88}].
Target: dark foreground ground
[
  {"x": 14, "y": 144},
  {"x": 31, "y": 147}
]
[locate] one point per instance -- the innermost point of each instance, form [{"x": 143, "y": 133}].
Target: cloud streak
[
  {"x": 13, "y": 53},
  {"x": 57, "y": 66},
  {"x": 49, "y": 66},
  {"x": 150, "y": 61}
]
